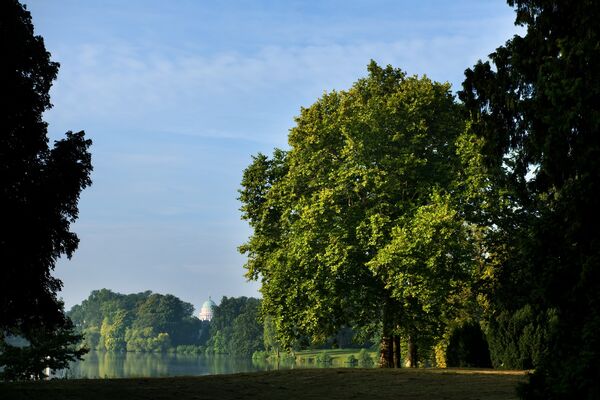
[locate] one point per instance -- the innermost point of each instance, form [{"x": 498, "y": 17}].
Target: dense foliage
[
  {"x": 145, "y": 321},
  {"x": 535, "y": 105},
  {"x": 356, "y": 225},
  {"x": 468, "y": 347},
  {"x": 235, "y": 327},
  {"x": 152, "y": 322},
  {"x": 39, "y": 193}
]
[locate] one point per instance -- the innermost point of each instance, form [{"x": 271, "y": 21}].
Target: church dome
[{"x": 206, "y": 312}]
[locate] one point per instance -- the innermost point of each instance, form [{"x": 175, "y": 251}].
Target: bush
[
  {"x": 260, "y": 355},
  {"x": 516, "y": 340},
  {"x": 188, "y": 349},
  {"x": 364, "y": 358},
  {"x": 468, "y": 347},
  {"x": 324, "y": 358}
]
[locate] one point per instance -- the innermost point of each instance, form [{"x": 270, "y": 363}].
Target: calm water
[{"x": 127, "y": 365}]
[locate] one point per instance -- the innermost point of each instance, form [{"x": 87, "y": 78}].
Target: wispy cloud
[{"x": 233, "y": 94}]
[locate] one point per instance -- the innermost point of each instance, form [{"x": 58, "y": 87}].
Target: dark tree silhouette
[
  {"x": 39, "y": 192},
  {"x": 537, "y": 110}
]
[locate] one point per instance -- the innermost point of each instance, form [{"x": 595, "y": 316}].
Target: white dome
[{"x": 206, "y": 312}]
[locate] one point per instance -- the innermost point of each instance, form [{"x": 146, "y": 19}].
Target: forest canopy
[
  {"x": 152, "y": 322},
  {"x": 135, "y": 322}
]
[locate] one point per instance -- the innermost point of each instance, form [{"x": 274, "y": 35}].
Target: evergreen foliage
[
  {"x": 535, "y": 106},
  {"x": 40, "y": 187},
  {"x": 518, "y": 339},
  {"x": 468, "y": 347}
]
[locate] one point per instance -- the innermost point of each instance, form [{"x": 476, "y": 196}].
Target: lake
[{"x": 129, "y": 365}]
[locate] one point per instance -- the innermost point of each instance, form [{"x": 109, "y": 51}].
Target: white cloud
[{"x": 230, "y": 94}]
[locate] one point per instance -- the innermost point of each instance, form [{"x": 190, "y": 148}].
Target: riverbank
[{"x": 330, "y": 384}]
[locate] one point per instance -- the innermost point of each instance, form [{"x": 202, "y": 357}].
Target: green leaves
[
  {"x": 533, "y": 106},
  {"x": 135, "y": 322},
  {"x": 428, "y": 259},
  {"x": 333, "y": 231}
]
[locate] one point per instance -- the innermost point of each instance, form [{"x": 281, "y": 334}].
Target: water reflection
[
  {"x": 129, "y": 365},
  {"x": 132, "y": 365}
]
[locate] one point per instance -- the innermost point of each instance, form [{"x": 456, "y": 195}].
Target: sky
[{"x": 178, "y": 95}]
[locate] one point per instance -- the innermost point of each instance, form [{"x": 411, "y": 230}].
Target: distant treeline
[
  {"x": 135, "y": 322},
  {"x": 152, "y": 322}
]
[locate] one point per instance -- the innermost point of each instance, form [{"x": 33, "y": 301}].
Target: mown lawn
[{"x": 290, "y": 384}]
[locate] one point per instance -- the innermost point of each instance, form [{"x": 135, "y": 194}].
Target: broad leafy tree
[
  {"x": 39, "y": 191},
  {"x": 535, "y": 106},
  {"x": 354, "y": 226}
]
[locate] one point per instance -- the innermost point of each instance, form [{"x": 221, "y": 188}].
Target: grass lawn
[
  {"x": 339, "y": 357},
  {"x": 448, "y": 384}
]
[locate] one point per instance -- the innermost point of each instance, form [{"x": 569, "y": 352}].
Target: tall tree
[
  {"x": 39, "y": 185},
  {"x": 235, "y": 327},
  {"x": 535, "y": 105},
  {"x": 332, "y": 215}
]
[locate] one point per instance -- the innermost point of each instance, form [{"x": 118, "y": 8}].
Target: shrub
[
  {"x": 468, "y": 347},
  {"x": 324, "y": 358},
  {"x": 364, "y": 358},
  {"x": 517, "y": 339},
  {"x": 260, "y": 355}
]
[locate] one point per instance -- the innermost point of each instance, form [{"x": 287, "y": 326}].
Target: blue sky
[{"x": 177, "y": 96}]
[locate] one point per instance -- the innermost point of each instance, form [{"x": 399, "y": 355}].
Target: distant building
[{"x": 206, "y": 312}]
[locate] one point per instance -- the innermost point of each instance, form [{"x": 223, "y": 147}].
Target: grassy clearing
[
  {"x": 339, "y": 357},
  {"x": 329, "y": 384}
]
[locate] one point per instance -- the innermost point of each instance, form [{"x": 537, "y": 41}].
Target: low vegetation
[{"x": 337, "y": 357}]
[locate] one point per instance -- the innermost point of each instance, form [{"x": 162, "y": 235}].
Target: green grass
[
  {"x": 329, "y": 384},
  {"x": 339, "y": 356}
]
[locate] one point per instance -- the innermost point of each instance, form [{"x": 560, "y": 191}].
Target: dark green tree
[
  {"x": 235, "y": 327},
  {"x": 535, "y": 105},
  {"x": 46, "y": 349},
  {"x": 468, "y": 347},
  {"x": 167, "y": 314},
  {"x": 247, "y": 332},
  {"x": 39, "y": 191}
]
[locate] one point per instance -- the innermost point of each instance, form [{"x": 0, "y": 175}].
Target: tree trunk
[
  {"x": 386, "y": 350},
  {"x": 397, "y": 354},
  {"x": 412, "y": 352}
]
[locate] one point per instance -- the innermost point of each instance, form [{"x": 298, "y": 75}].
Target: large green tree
[
  {"x": 535, "y": 106},
  {"x": 354, "y": 225},
  {"x": 39, "y": 191}
]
